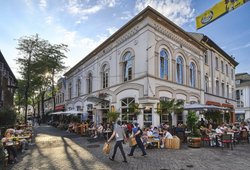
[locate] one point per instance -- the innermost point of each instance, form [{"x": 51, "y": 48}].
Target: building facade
[
  {"x": 242, "y": 97},
  {"x": 219, "y": 76},
  {"x": 7, "y": 84},
  {"x": 149, "y": 59}
]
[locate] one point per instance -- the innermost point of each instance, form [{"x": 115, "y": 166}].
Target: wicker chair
[{"x": 244, "y": 136}]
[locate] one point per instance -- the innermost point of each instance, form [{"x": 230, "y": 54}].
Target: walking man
[
  {"x": 119, "y": 135},
  {"x": 137, "y": 134}
]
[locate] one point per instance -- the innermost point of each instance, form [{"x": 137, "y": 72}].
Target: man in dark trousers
[
  {"x": 137, "y": 134},
  {"x": 120, "y": 136}
]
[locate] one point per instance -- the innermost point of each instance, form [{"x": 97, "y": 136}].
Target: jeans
[
  {"x": 119, "y": 144},
  {"x": 140, "y": 145}
]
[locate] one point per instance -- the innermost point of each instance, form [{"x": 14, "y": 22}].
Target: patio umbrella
[{"x": 197, "y": 106}]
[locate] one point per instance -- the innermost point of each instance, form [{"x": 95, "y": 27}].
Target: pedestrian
[
  {"x": 137, "y": 134},
  {"x": 120, "y": 136}
]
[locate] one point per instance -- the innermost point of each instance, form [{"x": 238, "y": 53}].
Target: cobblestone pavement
[{"x": 55, "y": 149}]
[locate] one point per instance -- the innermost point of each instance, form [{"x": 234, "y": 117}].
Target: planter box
[{"x": 194, "y": 142}]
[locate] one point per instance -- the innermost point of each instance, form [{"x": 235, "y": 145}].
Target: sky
[{"x": 85, "y": 24}]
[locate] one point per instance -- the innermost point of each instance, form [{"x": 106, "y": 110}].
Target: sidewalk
[{"x": 58, "y": 150}]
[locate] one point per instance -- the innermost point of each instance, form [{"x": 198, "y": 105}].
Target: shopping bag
[
  {"x": 132, "y": 141},
  {"x": 106, "y": 148}
]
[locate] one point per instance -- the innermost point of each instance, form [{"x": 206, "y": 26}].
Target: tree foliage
[
  {"x": 170, "y": 106},
  {"x": 38, "y": 59}
]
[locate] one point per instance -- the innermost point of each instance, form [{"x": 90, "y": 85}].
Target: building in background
[
  {"x": 219, "y": 76},
  {"x": 242, "y": 110},
  {"x": 7, "y": 84}
]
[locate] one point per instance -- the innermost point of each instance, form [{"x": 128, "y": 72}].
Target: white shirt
[
  {"x": 168, "y": 135},
  {"x": 217, "y": 130}
]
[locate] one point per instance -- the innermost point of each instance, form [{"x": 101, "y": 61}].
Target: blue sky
[{"x": 84, "y": 24}]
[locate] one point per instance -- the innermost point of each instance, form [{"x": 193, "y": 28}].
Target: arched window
[
  {"x": 179, "y": 70},
  {"x": 70, "y": 91},
  {"x": 78, "y": 86},
  {"x": 192, "y": 71},
  {"x": 164, "y": 64},
  {"x": 127, "y": 66},
  {"x": 105, "y": 76},
  {"x": 89, "y": 83}
]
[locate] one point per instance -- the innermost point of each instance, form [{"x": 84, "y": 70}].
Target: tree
[
  {"x": 170, "y": 106},
  {"x": 191, "y": 123},
  {"x": 38, "y": 57}
]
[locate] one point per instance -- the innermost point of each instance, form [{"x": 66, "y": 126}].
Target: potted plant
[
  {"x": 194, "y": 139},
  {"x": 113, "y": 116}
]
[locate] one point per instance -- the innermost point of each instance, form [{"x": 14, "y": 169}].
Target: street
[{"x": 55, "y": 149}]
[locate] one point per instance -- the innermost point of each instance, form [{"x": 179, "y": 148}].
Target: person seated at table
[
  {"x": 205, "y": 131},
  {"x": 23, "y": 142},
  {"x": 243, "y": 127},
  {"x": 218, "y": 130},
  {"x": 167, "y": 135},
  {"x": 99, "y": 130},
  {"x": 10, "y": 148},
  {"x": 156, "y": 133},
  {"x": 149, "y": 132},
  {"x": 70, "y": 127}
]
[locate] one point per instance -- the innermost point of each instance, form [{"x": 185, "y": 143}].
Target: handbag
[
  {"x": 132, "y": 141},
  {"x": 106, "y": 148}
]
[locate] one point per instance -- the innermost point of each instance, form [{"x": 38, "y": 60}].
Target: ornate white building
[{"x": 148, "y": 59}]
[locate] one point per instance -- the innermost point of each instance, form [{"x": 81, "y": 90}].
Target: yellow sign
[{"x": 219, "y": 9}]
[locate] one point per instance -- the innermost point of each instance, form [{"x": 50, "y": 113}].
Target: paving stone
[{"x": 58, "y": 150}]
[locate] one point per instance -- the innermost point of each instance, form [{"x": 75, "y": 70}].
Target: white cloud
[
  {"x": 49, "y": 20},
  {"x": 43, "y": 4},
  {"x": 178, "y": 11},
  {"x": 126, "y": 15},
  {"x": 109, "y": 3},
  {"x": 112, "y": 30},
  {"x": 82, "y": 9},
  {"x": 241, "y": 47}
]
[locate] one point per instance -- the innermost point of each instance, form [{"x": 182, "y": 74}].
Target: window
[
  {"x": 127, "y": 66},
  {"x": 232, "y": 74},
  {"x": 164, "y": 64},
  {"x": 192, "y": 71},
  {"x": 126, "y": 115},
  {"x": 222, "y": 66},
  {"x": 206, "y": 84},
  {"x": 179, "y": 70},
  {"x": 227, "y": 91},
  {"x": 226, "y": 69},
  {"x": 147, "y": 117},
  {"x": 89, "y": 83},
  {"x": 223, "y": 89},
  {"x": 70, "y": 90},
  {"x": 240, "y": 103},
  {"x": 78, "y": 87},
  {"x": 206, "y": 58},
  {"x": 217, "y": 87},
  {"x": 105, "y": 76},
  {"x": 216, "y": 63}
]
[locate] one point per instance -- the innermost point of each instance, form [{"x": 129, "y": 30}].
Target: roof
[
  {"x": 147, "y": 12},
  {"x": 2, "y": 59},
  {"x": 244, "y": 79},
  {"x": 203, "y": 38}
]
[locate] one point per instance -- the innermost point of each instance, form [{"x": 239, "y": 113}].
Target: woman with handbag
[
  {"x": 137, "y": 134},
  {"x": 120, "y": 136}
]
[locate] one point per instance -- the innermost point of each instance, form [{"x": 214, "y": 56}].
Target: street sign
[{"x": 218, "y": 10}]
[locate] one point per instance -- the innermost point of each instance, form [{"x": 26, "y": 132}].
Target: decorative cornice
[{"x": 174, "y": 37}]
